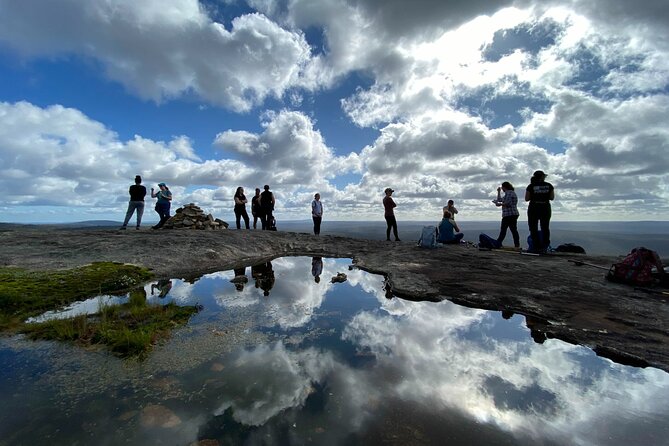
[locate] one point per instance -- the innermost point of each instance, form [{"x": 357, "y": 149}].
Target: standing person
[
  {"x": 451, "y": 209},
  {"x": 137, "y": 193},
  {"x": 540, "y": 194},
  {"x": 317, "y": 268},
  {"x": 240, "y": 208},
  {"x": 255, "y": 208},
  {"x": 510, "y": 212},
  {"x": 266, "y": 207},
  {"x": 317, "y": 213},
  {"x": 447, "y": 230},
  {"x": 163, "y": 204},
  {"x": 389, "y": 214}
]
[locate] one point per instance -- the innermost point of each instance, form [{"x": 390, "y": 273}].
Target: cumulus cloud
[{"x": 163, "y": 49}]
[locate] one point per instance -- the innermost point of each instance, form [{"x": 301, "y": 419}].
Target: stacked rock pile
[{"x": 192, "y": 217}]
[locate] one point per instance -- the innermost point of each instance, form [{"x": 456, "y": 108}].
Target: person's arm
[
  {"x": 237, "y": 200},
  {"x": 455, "y": 210},
  {"x": 551, "y": 196},
  {"x": 455, "y": 226},
  {"x": 153, "y": 195},
  {"x": 168, "y": 195},
  {"x": 527, "y": 195}
]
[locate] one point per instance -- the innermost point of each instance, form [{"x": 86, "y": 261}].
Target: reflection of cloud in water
[
  {"x": 520, "y": 386},
  {"x": 267, "y": 380}
]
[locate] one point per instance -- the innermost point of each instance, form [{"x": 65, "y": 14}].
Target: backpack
[
  {"x": 635, "y": 268},
  {"x": 487, "y": 242},
  {"x": 428, "y": 237},
  {"x": 570, "y": 247},
  {"x": 271, "y": 224},
  {"x": 530, "y": 243}
]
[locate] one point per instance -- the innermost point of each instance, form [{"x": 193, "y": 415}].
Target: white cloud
[{"x": 163, "y": 49}]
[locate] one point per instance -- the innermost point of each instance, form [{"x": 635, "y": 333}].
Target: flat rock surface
[{"x": 559, "y": 299}]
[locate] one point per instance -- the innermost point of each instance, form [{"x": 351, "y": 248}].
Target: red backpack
[{"x": 636, "y": 267}]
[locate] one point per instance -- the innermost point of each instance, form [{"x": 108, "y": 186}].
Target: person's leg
[
  {"x": 533, "y": 224},
  {"x": 544, "y": 221},
  {"x": 513, "y": 225},
  {"x": 388, "y": 227},
  {"x": 164, "y": 214},
  {"x": 140, "y": 213},
  {"x": 502, "y": 229},
  {"x": 160, "y": 216},
  {"x": 245, "y": 216},
  {"x": 317, "y": 225},
  {"x": 128, "y": 214},
  {"x": 459, "y": 236},
  {"x": 238, "y": 216},
  {"x": 397, "y": 237},
  {"x": 263, "y": 220}
]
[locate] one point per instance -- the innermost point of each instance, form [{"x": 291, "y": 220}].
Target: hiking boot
[{"x": 122, "y": 228}]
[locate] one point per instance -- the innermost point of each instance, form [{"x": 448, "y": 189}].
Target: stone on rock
[{"x": 340, "y": 277}]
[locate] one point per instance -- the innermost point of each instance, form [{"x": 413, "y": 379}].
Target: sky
[{"x": 437, "y": 99}]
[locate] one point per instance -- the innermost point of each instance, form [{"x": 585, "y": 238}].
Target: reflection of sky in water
[{"x": 340, "y": 364}]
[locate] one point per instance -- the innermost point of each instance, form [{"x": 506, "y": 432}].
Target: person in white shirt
[{"x": 317, "y": 213}]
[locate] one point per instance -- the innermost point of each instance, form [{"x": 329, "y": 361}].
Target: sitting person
[{"x": 449, "y": 232}]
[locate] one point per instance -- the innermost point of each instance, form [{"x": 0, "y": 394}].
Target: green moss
[
  {"x": 128, "y": 330},
  {"x": 29, "y": 293}
]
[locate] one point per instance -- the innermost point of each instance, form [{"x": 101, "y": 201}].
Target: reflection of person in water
[
  {"x": 317, "y": 268},
  {"x": 240, "y": 278},
  {"x": 535, "y": 324},
  {"x": 164, "y": 286},
  {"x": 264, "y": 276}
]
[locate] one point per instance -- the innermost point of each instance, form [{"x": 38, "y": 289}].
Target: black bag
[
  {"x": 487, "y": 242},
  {"x": 570, "y": 247},
  {"x": 271, "y": 224}
]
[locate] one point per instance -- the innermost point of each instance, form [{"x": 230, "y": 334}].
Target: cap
[
  {"x": 161, "y": 184},
  {"x": 388, "y": 190},
  {"x": 539, "y": 173}
]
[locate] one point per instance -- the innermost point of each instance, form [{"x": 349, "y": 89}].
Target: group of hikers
[{"x": 538, "y": 193}]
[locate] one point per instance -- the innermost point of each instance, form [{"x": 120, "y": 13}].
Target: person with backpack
[
  {"x": 540, "y": 194},
  {"x": 447, "y": 230},
  {"x": 266, "y": 208},
  {"x": 389, "y": 214},
  {"x": 510, "y": 214}
]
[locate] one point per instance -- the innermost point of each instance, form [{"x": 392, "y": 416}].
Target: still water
[{"x": 287, "y": 358}]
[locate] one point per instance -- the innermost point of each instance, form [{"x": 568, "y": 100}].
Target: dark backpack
[
  {"x": 636, "y": 267},
  {"x": 487, "y": 242},
  {"x": 271, "y": 223},
  {"x": 570, "y": 247}
]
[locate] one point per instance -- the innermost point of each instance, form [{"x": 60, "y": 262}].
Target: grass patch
[
  {"x": 128, "y": 330},
  {"x": 30, "y": 293}
]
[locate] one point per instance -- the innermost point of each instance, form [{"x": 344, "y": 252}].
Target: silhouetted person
[
  {"x": 540, "y": 194},
  {"x": 240, "y": 208},
  {"x": 389, "y": 214},
  {"x": 255, "y": 208},
  {"x": 266, "y": 208},
  {"x": 447, "y": 230},
  {"x": 137, "y": 193},
  {"x": 240, "y": 278}
]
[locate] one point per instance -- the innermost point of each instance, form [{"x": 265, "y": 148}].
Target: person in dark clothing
[
  {"x": 137, "y": 193},
  {"x": 389, "y": 214},
  {"x": 266, "y": 207},
  {"x": 240, "y": 208},
  {"x": 317, "y": 213},
  {"x": 540, "y": 194},
  {"x": 255, "y": 208}
]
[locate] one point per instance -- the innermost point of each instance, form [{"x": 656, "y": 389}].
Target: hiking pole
[{"x": 580, "y": 263}]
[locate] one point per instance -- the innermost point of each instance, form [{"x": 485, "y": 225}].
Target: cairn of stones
[{"x": 192, "y": 217}]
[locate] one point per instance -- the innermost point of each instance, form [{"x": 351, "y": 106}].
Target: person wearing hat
[
  {"x": 267, "y": 203},
  {"x": 540, "y": 194},
  {"x": 389, "y": 214},
  {"x": 137, "y": 193},
  {"x": 164, "y": 197}
]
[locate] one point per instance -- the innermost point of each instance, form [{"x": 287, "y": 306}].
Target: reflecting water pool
[{"x": 280, "y": 354}]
